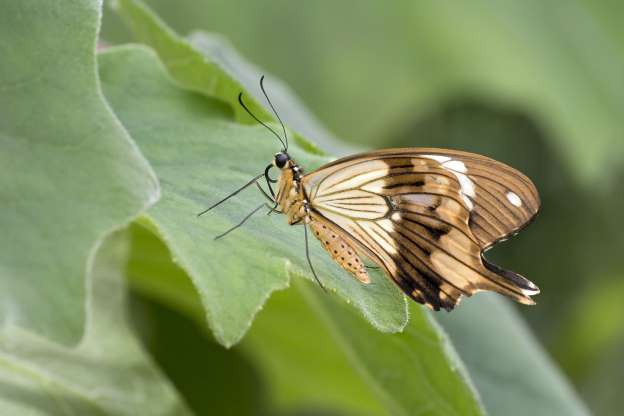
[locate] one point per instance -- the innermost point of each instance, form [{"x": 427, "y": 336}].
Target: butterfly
[{"x": 424, "y": 216}]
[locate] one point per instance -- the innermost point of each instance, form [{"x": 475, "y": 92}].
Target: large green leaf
[
  {"x": 337, "y": 359},
  {"x": 509, "y": 368},
  {"x": 200, "y": 155},
  {"x": 211, "y": 379},
  {"x": 69, "y": 173},
  {"x": 292, "y": 111},
  {"x": 189, "y": 67},
  {"x": 107, "y": 373},
  {"x": 304, "y": 366}
]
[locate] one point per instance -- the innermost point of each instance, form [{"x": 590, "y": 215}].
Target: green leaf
[
  {"x": 302, "y": 365},
  {"x": 69, "y": 173},
  {"x": 211, "y": 379},
  {"x": 152, "y": 273},
  {"x": 292, "y": 111},
  {"x": 107, "y": 373},
  {"x": 201, "y": 155},
  {"x": 510, "y": 369},
  {"x": 337, "y": 360},
  {"x": 189, "y": 67}
]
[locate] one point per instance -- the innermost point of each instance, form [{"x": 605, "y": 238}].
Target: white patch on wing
[
  {"x": 456, "y": 165},
  {"x": 468, "y": 202},
  {"x": 514, "y": 199},
  {"x": 439, "y": 158},
  {"x": 467, "y": 186},
  {"x": 458, "y": 168},
  {"x": 530, "y": 292}
]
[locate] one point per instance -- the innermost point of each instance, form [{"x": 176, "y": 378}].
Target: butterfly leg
[
  {"x": 251, "y": 182},
  {"x": 307, "y": 250},
  {"x": 240, "y": 223},
  {"x": 264, "y": 193},
  {"x": 273, "y": 208}
]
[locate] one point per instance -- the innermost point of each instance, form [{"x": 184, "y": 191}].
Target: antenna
[
  {"x": 240, "y": 100},
  {"x": 273, "y": 108}
]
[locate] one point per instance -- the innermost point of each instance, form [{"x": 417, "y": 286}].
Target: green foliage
[
  {"x": 503, "y": 358},
  {"x": 188, "y": 66},
  {"x": 217, "y": 49},
  {"x": 106, "y": 373},
  {"x": 69, "y": 173},
  {"x": 350, "y": 351}
]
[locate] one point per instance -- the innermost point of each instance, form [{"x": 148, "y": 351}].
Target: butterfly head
[{"x": 281, "y": 160}]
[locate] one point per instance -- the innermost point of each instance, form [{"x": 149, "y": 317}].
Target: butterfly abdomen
[{"x": 339, "y": 249}]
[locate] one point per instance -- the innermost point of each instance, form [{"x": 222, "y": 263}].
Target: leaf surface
[
  {"x": 337, "y": 359},
  {"x": 193, "y": 70},
  {"x": 107, "y": 373},
  {"x": 510, "y": 369},
  {"x": 69, "y": 173}
]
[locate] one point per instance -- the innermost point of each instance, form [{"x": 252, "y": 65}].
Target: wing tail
[{"x": 522, "y": 290}]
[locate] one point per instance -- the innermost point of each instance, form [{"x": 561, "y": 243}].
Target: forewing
[{"x": 426, "y": 215}]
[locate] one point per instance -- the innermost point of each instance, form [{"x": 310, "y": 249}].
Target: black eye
[{"x": 281, "y": 159}]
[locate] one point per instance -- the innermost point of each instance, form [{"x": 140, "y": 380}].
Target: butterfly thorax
[{"x": 290, "y": 196}]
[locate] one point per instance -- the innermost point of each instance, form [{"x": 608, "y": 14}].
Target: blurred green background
[{"x": 538, "y": 85}]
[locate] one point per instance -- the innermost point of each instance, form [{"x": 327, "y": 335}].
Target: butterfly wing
[{"x": 426, "y": 216}]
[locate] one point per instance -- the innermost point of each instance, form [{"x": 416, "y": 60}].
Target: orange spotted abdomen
[{"x": 339, "y": 249}]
